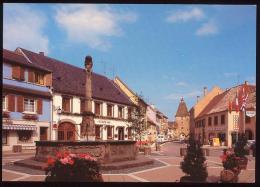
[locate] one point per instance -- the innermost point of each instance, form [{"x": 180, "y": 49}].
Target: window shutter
[
  {"x": 20, "y": 104},
  {"x": 30, "y": 76},
  {"x": 11, "y": 103},
  {"x": 39, "y": 106},
  {"x": 16, "y": 72},
  {"x": 48, "y": 79},
  {"x": 22, "y": 73}
]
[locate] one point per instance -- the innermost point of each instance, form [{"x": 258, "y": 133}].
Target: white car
[{"x": 160, "y": 138}]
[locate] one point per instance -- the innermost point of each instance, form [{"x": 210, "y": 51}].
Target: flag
[
  {"x": 229, "y": 105},
  {"x": 243, "y": 97},
  {"x": 236, "y": 103}
]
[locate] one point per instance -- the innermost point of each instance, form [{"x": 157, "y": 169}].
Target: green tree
[
  {"x": 138, "y": 119},
  {"x": 239, "y": 149},
  {"x": 193, "y": 163}
]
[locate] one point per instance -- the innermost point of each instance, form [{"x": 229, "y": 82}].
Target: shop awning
[{"x": 19, "y": 127}]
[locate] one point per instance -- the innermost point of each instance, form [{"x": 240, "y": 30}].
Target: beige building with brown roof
[
  {"x": 217, "y": 121},
  {"x": 182, "y": 121}
]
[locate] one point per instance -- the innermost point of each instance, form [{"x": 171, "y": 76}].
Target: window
[
  {"x": 4, "y": 102},
  {"x": 97, "y": 108},
  {"x": 97, "y": 132},
  {"x": 66, "y": 104},
  {"x": 129, "y": 133},
  {"x": 120, "y": 112},
  {"x": 82, "y": 105},
  {"x": 248, "y": 119},
  {"x": 209, "y": 121},
  {"x": 216, "y": 120},
  {"x": 24, "y": 135},
  {"x": 4, "y": 137},
  {"x": 109, "y": 132},
  {"x": 60, "y": 135},
  {"x": 129, "y": 113},
  {"x": 110, "y": 110},
  {"x": 38, "y": 78},
  {"x": 222, "y": 120},
  {"x": 29, "y": 105}
]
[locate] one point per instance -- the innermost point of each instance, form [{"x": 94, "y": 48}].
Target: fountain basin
[{"x": 104, "y": 151}]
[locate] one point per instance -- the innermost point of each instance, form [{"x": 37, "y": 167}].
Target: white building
[{"x": 112, "y": 108}]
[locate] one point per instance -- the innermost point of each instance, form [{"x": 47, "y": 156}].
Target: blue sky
[{"x": 163, "y": 52}]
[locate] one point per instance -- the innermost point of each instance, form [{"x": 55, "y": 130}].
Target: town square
[{"x": 129, "y": 93}]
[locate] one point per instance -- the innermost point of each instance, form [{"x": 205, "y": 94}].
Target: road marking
[
  {"x": 15, "y": 172},
  {"x": 138, "y": 178},
  {"x": 152, "y": 169},
  {"x": 20, "y": 178},
  {"x": 167, "y": 164}
]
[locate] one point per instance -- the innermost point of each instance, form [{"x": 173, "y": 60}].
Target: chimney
[
  {"x": 246, "y": 82},
  {"x": 205, "y": 90},
  {"x": 198, "y": 97},
  {"x": 182, "y": 99},
  {"x": 41, "y": 53}
]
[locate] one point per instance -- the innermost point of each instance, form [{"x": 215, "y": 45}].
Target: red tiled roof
[
  {"x": 220, "y": 102},
  {"x": 182, "y": 110},
  {"x": 12, "y": 57},
  {"x": 69, "y": 79}
]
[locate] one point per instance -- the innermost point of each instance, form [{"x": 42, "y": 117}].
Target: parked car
[
  {"x": 160, "y": 138},
  {"x": 250, "y": 146}
]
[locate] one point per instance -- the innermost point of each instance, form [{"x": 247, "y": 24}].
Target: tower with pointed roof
[{"x": 182, "y": 120}]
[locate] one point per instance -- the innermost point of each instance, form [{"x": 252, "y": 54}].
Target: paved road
[{"x": 168, "y": 171}]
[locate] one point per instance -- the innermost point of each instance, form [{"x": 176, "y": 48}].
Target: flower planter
[
  {"x": 242, "y": 162},
  {"x": 229, "y": 176},
  {"x": 190, "y": 179},
  {"x": 147, "y": 150},
  {"x": 6, "y": 115},
  {"x": 30, "y": 117}
]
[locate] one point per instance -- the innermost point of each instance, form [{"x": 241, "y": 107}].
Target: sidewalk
[{"x": 24, "y": 152}]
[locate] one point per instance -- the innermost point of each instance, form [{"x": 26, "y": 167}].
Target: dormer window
[{"x": 39, "y": 77}]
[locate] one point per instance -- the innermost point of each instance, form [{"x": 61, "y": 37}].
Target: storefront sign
[
  {"x": 102, "y": 122},
  {"x": 250, "y": 113},
  {"x": 216, "y": 129},
  {"x": 216, "y": 142}
]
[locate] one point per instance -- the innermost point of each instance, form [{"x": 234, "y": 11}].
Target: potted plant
[
  {"x": 231, "y": 167},
  {"x": 194, "y": 163},
  {"x": 241, "y": 152},
  {"x": 73, "y": 167}
]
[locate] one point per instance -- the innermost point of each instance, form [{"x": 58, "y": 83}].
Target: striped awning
[{"x": 19, "y": 127}]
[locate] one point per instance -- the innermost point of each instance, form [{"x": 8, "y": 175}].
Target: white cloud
[
  {"x": 23, "y": 27},
  {"x": 230, "y": 74},
  {"x": 92, "y": 24},
  {"x": 177, "y": 96},
  {"x": 184, "y": 84},
  {"x": 208, "y": 28},
  {"x": 183, "y": 16}
]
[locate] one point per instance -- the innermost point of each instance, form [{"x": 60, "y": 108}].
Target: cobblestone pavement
[{"x": 165, "y": 169}]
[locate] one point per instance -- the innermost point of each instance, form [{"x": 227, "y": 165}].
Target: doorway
[
  {"x": 66, "y": 131},
  {"x": 120, "y": 133},
  {"x": 43, "y": 133}
]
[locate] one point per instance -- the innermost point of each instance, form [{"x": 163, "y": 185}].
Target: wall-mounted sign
[
  {"x": 102, "y": 122},
  {"x": 250, "y": 113}
]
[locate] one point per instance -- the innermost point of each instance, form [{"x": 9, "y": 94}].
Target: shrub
[
  {"x": 239, "y": 149},
  {"x": 72, "y": 167},
  {"x": 193, "y": 163}
]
